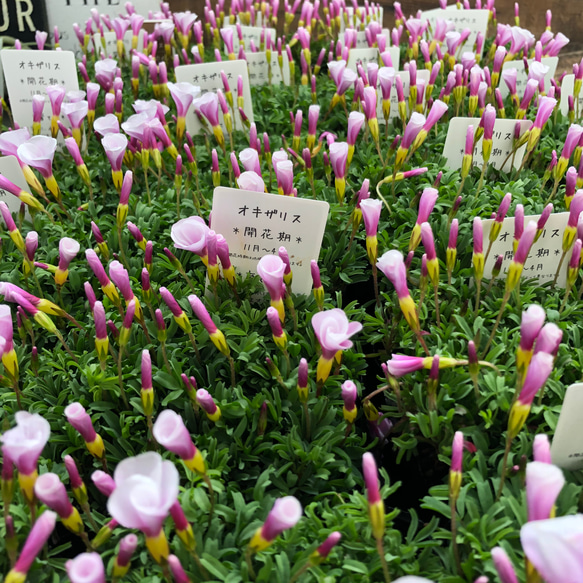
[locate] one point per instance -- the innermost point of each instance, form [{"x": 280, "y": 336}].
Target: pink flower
[
  {"x": 525, "y": 243},
  {"x": 107, "y": 124},
  {"x": 532, "y": 321},
  {"x": 146, "y": 488},
  {"x": 285, "y": 514},
  {"x": 36, "y": 540},
  {"x": 503, "y": 566},
  {"x": 349, "y": 394},
  {"x": 9, "y": 141},
  {"x": 68, "y": 249},
  {"x": 76, "y": 113},
  {"x": 400, "y": 364},
  {"x": 393, "y": 266},
  {"x": 190, "y": 234},
  {"x": 333, "y": 331},
  {"x": 171, "y": 433},
  {"x": 371, "y": 214},
  {"x": 115, "y": 146},
  {"x": 38, "y": 152},
  {"x": 80, "y": 420},
  {"x": 355, "y": 123},
  {"x": 426, "y": 204},
  {"x": 25, "y": 442},
  {"x": 554, "y": 547},
  {"x": 544, "y": 482},
  {"x": 541, "y": 449},
  {"x": 457, "y": 452},
  {"x": 56, "y": 95},
  {"x": 416, "y": 122},
  {"x": 339, "y": 158},
  {"x": 549, "y": 339},
  {"x": 103, "y": 482},
  {"x": 370, "y": 103},
  {"x": 206, "y": 401},
  {"x": 49, "y": 489},
  {"x": 546, "y": 105},
  {"x": 371, "y": 479},
  {"x": 284, "y": 172},
  {"x": 250, "y": 160},
  {"x": 331, "y": 541},
  {"x": 539, "y": 369},
  {"x": 208, "y": 105},
  {"x": 105, "y": 71},
  {"x": 183, "y": 94},
  {"x": 121, "y": 279},
  {"x": 86, "y": 567},
  {"x": 177, "y": 571},
  {"x": 250, "y": 180},
  {"x": 271, "y": 270}
]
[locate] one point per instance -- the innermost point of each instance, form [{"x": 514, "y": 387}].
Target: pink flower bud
[
  {"x": 74, "y": 477},
  {"x": 205, "y": 400},
  {"x": 171, "y": 433},
  {"x": 36, "y": 540},
  {"x": 549, "y": 339},
  {"x": 539, "y": 369},
  {"x": 285, "y": 514},
  {"x": 49, "y": 489},
  {"x": 544, "y": 482},
  {"x": 121, "y": 279},
  {"x": 541, "y": 449},
  {"x": 80, "y": 420},
  {"x": 457, "y": 452},
  {"x": 503, "y": 566},
  {"x": 532, "y": 321}
]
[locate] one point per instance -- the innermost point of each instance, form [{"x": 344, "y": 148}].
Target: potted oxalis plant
[{"x": 168, "y": 416}]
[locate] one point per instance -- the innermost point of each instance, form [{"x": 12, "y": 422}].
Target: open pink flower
[
  {"x": 106, "y": 124},
  {"x": 146, "y": 488},
  {"x": 333, "y": 331},
  {"x": 86, "y": 567},
  {"x": 105, "y": 71},
  {"x": 25, "y": 442},
  {"x": 544, "y": 482},
  {"x": 38, "y": 152},
  {"x": 554, "y": 547},
  {"x": 183, "y": 95},
  {"x": 271, "y": 269},
  {"x": 190, "y": 234},
  {"x": 250, "y": 180},
  {"x": 115, "y": 146}
]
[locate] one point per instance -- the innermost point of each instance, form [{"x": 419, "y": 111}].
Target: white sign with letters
[
  {"x": 544, "y": 256},
  {"x": 522, "y": 77},
  {"x": 255, "y": 224},
  {"x": 567, "y": 90},
  {"x": 259, "y": 70},
  {"x": 208, "y": 77},
  {"x": 502, "y": 140},
  {"x": 63, "y": 13},
  {"x": 475, "y": 19},
  {"x": 29, "y": 73}
]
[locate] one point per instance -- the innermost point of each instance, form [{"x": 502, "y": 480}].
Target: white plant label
[
  {"x": 522, "y": 77},
  {"x": 208, "y": 77},
  {"x": 255, "y": 224},
  {"x": 544, "y": 256},
  {"x": 259, "y": 69},
  {"x": 29, "y": 73},
  {"x": 474, "y": 19},
  {"x": 502, "y": 140},
  {"x": 567, "y": 90},
  {"x": 567, "y": 445},
  {"x": 10, "y": 168}
]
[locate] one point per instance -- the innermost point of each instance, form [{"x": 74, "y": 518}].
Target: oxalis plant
[{"x": 167, "y": 417}]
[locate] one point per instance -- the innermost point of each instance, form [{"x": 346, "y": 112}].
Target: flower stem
[
  {"x": 456, "y": 551},
  {"x": 381, "y": 552},
  {"x": 120, "y": 379},
  {"x": 497, "y": 323},
  {"x": 504, "y": 462}
]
